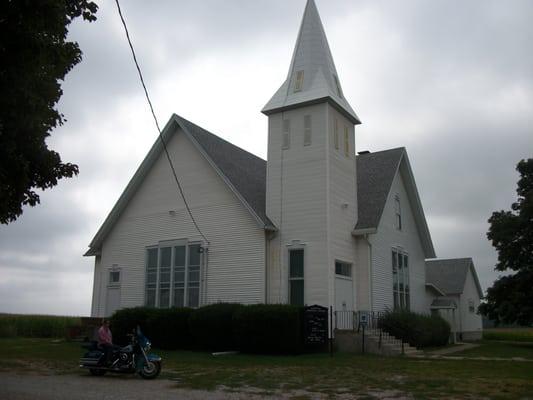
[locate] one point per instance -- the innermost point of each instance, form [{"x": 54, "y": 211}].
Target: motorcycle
[{"x": 129, "y": 359}]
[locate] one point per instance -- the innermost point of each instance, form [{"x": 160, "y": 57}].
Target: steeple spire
[{"x": 312, "y": 75}]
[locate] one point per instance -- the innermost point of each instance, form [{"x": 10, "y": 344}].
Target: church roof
[
  {"x": 312, "y": 74},
  {"x": 375, "y": 175},
  {"x": 450, "y": 274},
  {"x": 245, "y": 174}
]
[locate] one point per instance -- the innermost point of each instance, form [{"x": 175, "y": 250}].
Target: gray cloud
[{"x": 451, "y": 81}]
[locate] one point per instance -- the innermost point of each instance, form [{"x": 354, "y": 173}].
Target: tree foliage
[
  {"x": 510, "y": 299},
  {"x": 35, "y": 56}
]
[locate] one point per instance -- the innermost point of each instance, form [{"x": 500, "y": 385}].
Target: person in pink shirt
[{"x": 105, "y": 339}]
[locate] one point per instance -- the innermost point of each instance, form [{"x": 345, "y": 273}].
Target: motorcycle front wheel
[{"x": 150, "y": 370}]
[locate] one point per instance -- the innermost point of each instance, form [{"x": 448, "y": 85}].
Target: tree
[
  {"x": 34, "y": 58},
  {"x": 510, "y": 299}
]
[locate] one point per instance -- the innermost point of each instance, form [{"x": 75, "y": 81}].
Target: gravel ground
[{"x": 82, "y": 387}]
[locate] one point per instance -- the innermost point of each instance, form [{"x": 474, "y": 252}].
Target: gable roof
[
  {"x": 243, "y": 172},
  {"x": 311, "y": 59},
  {"x": 245, "y": 175},
  {"x": 450, "y": 274},
  {"x": 375, "y": 175}
]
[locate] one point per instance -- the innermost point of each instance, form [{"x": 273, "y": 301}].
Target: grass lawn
[
  {"x": 491, "y": 348},
  {"x": 364, "y": 376},
  {"x": 510, "y": 334}
]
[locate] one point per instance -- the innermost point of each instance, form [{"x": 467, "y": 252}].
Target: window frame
[
  {"x": 308, "y": 132},
  {"x": 113, "y": 270},
  {"x": 397, "y": 212},
  {"x": 341, "y": 274},
  {"x": 401, "y": 287},
  {"x": 286, "y": 134},
  {"x": 336, "y": 134},
  {"x": 298, "y": 278},
  {"x": 172, "y": 272},
  {"x": 346, "y": 141},
  {"x": 299, "y": 81}
]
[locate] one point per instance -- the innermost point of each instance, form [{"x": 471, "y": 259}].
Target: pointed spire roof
[{"x": 312, "y": 75}]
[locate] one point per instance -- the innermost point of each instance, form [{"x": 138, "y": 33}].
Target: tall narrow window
[
  {"x": 397, "y": 210},
  {"x": 307, "y": 130},
  {"x": 338, "y": 85},
  {"x": 299, "y": 83},
  {"x": 193, "y": 276},
  {"x": 165, "y": 254},
  {"x": 151, "y": 276},
  {"x": 179, "y": 276},
  {"x": 296, "y": 277},
  {"x": 286, "y": 140},
  {"x": 400, "y": 280},
  {"x": 336, "y": 134},
  {"x": 346, "y": 142}
]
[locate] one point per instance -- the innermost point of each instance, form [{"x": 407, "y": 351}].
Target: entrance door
[{"x": 344, "y": 304}]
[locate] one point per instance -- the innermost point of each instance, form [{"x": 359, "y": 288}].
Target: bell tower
[{"x": 311, "y": 174}]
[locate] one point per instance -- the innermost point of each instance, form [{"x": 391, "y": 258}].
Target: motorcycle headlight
[{"x": 148, "y": 346}]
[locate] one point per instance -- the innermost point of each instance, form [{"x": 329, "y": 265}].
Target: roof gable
[
  {"x": 243, "y": 172},
  {"x": 450, "y": 274},
  {"x": 375, "y": 176}
]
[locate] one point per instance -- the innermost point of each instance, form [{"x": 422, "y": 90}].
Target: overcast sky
[{"x": 452, "y": 81}]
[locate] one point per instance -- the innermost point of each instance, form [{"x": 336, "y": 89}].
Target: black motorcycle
[{"x": 129, "y": 359}]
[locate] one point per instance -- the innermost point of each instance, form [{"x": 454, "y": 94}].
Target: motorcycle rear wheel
[
  {"x": 97, "y": 372},
  {"x": 150, "y": 370}
]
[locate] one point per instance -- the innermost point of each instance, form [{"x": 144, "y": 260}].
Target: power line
[{"x": 157, "y": 123}]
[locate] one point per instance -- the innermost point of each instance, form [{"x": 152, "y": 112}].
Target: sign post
[{"x": 363, "y": 322}]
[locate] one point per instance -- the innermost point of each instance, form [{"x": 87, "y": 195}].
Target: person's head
[{"x": 105, "y": 322}]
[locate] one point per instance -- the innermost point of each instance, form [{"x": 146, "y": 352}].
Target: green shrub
[
  {"x": 169, "y": 328},
  {"x": 269, "y": 329},
  {"x": 35, "y": 326},
  {"x": 124, "y": 321},
  {"x": 416, "y": 329},
  {"x": 212, "y": 326}
]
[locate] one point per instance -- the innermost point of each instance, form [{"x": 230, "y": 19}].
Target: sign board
[
  {"x": 363, "y": 318},
  {"x": 316, "y": 325}
]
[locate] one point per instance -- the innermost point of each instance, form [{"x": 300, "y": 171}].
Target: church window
[
  {"x": 400, "y": 280},
  {"x": 338, "y": 85},
  {"x": 307, "y": 130},
  {"x": 173, "y": 275},
  {"x": 296, "y": 277},
  {"x": 398, "y": 213},
  {"x": 346, "y": 142},
  {"x": 286, "y": 138},
  {"x": 298, "y": 85},
  {"x": 336, "y": 134}
]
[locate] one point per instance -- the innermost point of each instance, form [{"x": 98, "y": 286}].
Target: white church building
[{"x": 314, "y": 224}]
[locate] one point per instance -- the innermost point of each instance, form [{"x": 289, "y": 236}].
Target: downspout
[{"x": 370, "y": 276}]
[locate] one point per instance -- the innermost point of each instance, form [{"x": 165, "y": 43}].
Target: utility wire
[{"x": 157, "y": 123}]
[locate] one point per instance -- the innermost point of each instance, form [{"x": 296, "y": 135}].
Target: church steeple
[{"x": 312, "y": 76}]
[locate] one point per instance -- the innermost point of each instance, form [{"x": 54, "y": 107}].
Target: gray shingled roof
[
  {"x": 450, "y": 275},
  {"x": 247, "y": 174},
  {"x": 245, "y": 171},
  {"x": 375, "y": 173}
]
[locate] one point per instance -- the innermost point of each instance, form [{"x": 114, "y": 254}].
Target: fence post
[
  {"x": 331, "y": 331},
  {"x": 363, "y": 341}
]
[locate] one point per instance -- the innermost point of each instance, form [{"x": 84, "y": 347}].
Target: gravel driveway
[{"x": 81, "y": 387}]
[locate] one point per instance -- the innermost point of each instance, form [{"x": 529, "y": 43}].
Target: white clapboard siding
[
  {"x": 470, "y": 321},
  {"x": 408, "y": 239},
  {"x": 299, "y": 173},
  {"x": 342, "y": 196},
  {"x": 236, "y": 270}
]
